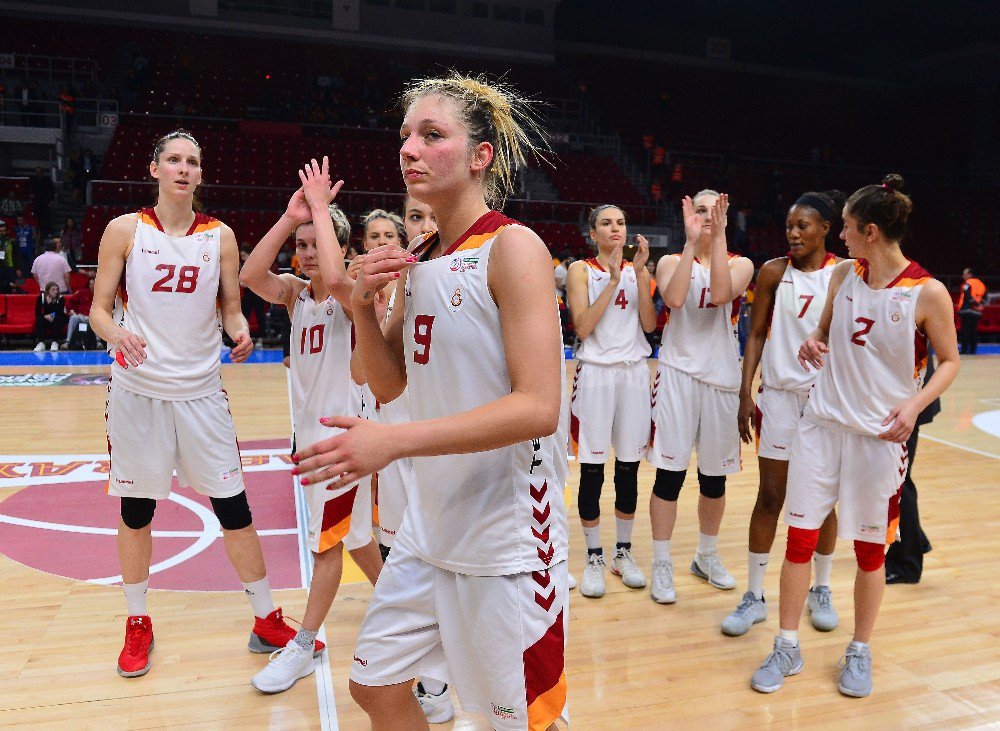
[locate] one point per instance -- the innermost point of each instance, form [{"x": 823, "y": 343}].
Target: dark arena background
[{"x": 643, "y": 103}]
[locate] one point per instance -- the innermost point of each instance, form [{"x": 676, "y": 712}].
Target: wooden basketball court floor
[{"x": 631, "y": 664}]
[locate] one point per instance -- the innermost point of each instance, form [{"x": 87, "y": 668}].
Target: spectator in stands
[
  {"x": 50, "y": 317},
  {"x": 67, "y": 108},
  {"x": 52, "y": 268},
  {"x": 72, "y": 242},
  {"x": 11, "y": 206},
  {"x": 78, "y": 305},
  {"x": 43, "y": 192},
  {"x": 8, "y": 259},
  {"x": 970, "y": 309},
  {"x": 27, "y": 241},
  {"x": 74, "y": 172}
]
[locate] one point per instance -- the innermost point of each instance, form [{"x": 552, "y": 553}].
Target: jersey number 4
[
  {"x": 866, "y": 327},
  {"x": 187, "y": 279},
  {"x": 620, "y": 299}
]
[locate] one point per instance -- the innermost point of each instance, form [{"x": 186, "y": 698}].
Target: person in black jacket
[
  {"x": 50, "y": 317},
  {"x": 904, "y": 561}
]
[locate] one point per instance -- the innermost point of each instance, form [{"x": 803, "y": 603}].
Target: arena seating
[{"x": 17, "y": 314}]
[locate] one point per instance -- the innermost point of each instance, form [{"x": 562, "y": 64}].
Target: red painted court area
[{"x": 66, "y": 524}]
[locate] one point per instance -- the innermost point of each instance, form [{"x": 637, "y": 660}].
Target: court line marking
[
  {"x": 95, "y": 531},
  {"x": 327, "y": 703},
  {"x": 960, "y": 446}
]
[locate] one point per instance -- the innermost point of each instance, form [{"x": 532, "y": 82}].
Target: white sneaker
[
  {"x": 663, "y": 582},
  {"x": 709, "y": 567},
  {"x": 624, "y": 565},
  {"x": 39, "y": 348},
  {"x": 287, "y": 665},
  {"x": 437, "y": 708},
  {"x": 570, "y": 581},
  {"x": 593, "y": 576},
  {"x": 55, "y": 346},
  {"x": 750, "y": 611}
]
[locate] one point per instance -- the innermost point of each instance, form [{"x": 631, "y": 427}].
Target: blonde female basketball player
[
  {"x": 611, "y": 304},
  {"x": 788, "y": 300},
  {"x": 321, "y": 384},
  {"x": 474, "y": 591},
  {"x": 166, "y": 409},
  {"x": 870, "y": 349},
  {"x": 695, "y": 391}
]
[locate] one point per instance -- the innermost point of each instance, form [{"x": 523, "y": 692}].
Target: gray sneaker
[
  {"x": 785, "y": 660},
  {"x": 709, "y": 567},
  {"x": 750, "y": 611},
  {"x": 823, "y": 615},
  {"x": 856, "y": 675},
  {"x": 624, "y": 565},
  {"x": 663, "y": 582}
]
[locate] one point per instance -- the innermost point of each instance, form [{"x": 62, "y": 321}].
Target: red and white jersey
[
  {"x": 492, "y": 513},
  {"x": 877, "y": 356},
  {"x": 618, "y": 336},
  {"x": 169, "y": 296},
  {"x": 700, "y": 338},
  {"x": 798, "y": 303},
  {"x": 320, "y": 367}
]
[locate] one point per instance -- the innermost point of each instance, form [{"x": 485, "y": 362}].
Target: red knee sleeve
[
  {"x": 801, "y": 544},
  {"x": 870, "y": 555}
]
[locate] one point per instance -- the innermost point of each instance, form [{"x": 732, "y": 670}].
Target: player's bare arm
[
  {"x": 587, "y": 314},
  {"x": 233, "y": 321},
  {"x": 116, "y": 244},
  {"x": 813, "y": 347},
  {"x": 647, "y": 310}
]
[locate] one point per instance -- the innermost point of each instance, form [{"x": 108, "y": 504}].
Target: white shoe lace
[
  {"x": 284, "y": 656},
  {"x": 715, "y": 568},
  {"x": 822, "y": 598},
  {"x": 595, "y": 567},
  {"x": 746, "y": 605},
  {"x": 663, "y": 572},
  {"x": 855, "y": 663},
  {"x": 625, "y": 560}
]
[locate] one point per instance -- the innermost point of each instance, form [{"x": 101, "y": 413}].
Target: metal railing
[
  {"x": 21, "y": 66},
  {"x": 49, "y": 114}
]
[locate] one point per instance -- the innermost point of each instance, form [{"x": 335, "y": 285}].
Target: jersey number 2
[
  {"x": 187, "y": 278},
  {"x": 422, "y": 326},
  {"x": 866, "y": 327}
]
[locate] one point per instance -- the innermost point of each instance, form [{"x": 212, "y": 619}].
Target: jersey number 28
[{"x": 187, "y": 279}]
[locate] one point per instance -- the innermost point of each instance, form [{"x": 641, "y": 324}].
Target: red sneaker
[
  {"x": 134, "y": 660},
  {"x": 270, "y": 633}
]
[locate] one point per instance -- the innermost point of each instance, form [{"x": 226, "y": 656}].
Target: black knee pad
[
  {"x": 626, "y": 486},
  {"x": 588, "y": 501},
  {"x": 668, "y": 483},
  {"x": 233, "y": 512},
  {"x": 137, "y": 512},
  {"x": 713, "y": 486}
]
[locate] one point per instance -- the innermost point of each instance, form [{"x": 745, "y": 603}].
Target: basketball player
[
  {"x": 870, "y": 349},
  {"x": 611, "y": 304},
  {"x": 695, "y": 391},
  {"x": 788, "y": 300},
  {"x": 321, "y": 384},
  {"x": 166, "y": 409},
  {"x": 474, "y": 591}
]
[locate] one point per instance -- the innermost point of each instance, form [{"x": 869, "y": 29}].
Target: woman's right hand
[
  {"x": 811, "y": 353},
  {"x": 615, "y": 265},
  {"x": 692, "y": 220},
  {"x": 316, "y": 186},
  {"x": 380, "y": 266},
  {"x": 129, "y": 346},
  {"x": 298, "y": 208},
  {"x": 744, "y": 418}
]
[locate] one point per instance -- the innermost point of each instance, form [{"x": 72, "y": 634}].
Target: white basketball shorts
[
  {"x": 776, "y": 419},
  {"x": 609, "y": 405},
  {"x": 499, "y": 639}
]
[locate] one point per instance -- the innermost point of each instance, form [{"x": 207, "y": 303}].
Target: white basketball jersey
[
  {"x": 877, "y": 356},
  {"x": 491, "y": 513},
  {"x": 700, "y": 338},
  {"x": 396, "y": 411},
  {"x": 321, "y": 367},
  {"x": 798, "y": 303},
  {"x": 169, "y": 296},
  {"x": 618, "y": 336}
]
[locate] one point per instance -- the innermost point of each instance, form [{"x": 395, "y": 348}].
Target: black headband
[{"x": 820, "y": 203}]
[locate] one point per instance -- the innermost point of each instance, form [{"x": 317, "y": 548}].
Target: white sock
[
  {"x": 824, "y": 566},
  {"x": 623, "y": 529},
  {"x": 757, "y": 567},
  {"x": 707, "y": 544},
  {"x": 135, "y": 598},
  {"x": 259, "y": 594},
  {"x": 432, "y": 686},
  {"x": 792, "y": 635},
  {"x": 661, "y": 550},
  {"x": 592, "y": 536}
]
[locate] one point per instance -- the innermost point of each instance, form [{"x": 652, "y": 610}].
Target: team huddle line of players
[{"x": 437, "y": 366}]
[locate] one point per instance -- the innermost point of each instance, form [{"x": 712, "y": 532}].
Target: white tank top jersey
[
  {"x": 169, "y": 296},
  {"x": 618, "y": 336},
  {"x": 798, "y": 304},
  {"x": 700, "y": 338},
  {"x": 877, "y": 356},
  {"x": 320, "y": 366},
  {"x": 492, "y": 513}
]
